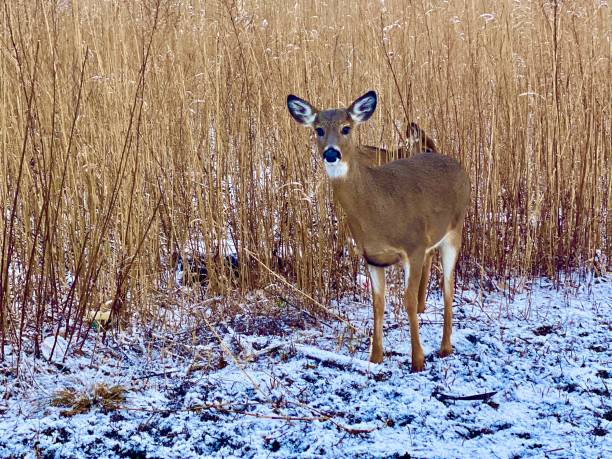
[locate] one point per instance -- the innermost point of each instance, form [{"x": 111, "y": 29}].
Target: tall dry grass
[{"x": 135, "y": 130}]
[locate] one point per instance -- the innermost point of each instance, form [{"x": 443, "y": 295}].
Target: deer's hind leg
[
  {"x": 449, "y": 253},
  {"x": 424, "y": 282}
]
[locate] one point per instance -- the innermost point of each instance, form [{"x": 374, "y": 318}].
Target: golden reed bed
[{"x": 131, "y": 131}]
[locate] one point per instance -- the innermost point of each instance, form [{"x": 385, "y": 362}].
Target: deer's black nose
[{"x": 331, "y": 155}]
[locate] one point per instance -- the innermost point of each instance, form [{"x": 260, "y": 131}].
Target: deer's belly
[
  {"x": 382, "y": 258},
  {"x": 376, "y": 251}
]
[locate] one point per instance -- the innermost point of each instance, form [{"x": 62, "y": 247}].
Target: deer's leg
[
  {"x": 377, "y": 278},
  {"x": 449, "y": 251},
  {"x": 424, "y": 282},
  {"x": 414, "y": 269}
]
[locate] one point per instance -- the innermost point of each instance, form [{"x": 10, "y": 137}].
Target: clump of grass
[{"x": 107, "y": 398}]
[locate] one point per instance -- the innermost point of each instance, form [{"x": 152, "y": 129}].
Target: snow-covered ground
[{"x": 301, "y": 388}]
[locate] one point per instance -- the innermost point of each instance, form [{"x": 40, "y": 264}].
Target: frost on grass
[{"x": 530, "y": 377}]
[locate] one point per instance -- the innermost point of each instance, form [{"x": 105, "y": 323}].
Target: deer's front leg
[
  {"x": 377, "y": 279},
  {"x": 424, "y": 282},
  {"x": 414, "y": 270}
]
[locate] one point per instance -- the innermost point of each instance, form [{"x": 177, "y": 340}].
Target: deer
[
  {"x": 399, "y": 212},
  {"x": 417, "y": 141}
]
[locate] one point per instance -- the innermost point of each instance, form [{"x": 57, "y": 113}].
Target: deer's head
[
  {"x": 418, "y": 141},
  {"x": 333, "y": 129}
]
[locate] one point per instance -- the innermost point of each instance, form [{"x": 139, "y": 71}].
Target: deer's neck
[
  {"x": 355, "y": 194},
  {"x": 351, "y": 191},
  {"x": 355, "y": 171}
]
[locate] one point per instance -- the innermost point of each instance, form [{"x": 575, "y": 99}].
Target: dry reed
[{"x": 134, "y": 131}]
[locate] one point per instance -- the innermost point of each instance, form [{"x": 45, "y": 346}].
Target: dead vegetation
[
  {"x": 135, "y": 131},
  {"x": 107, "y": 398}
]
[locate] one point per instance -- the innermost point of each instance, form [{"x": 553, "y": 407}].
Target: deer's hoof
[
  {"x": 376, "y": 357},
  {"x": 445, "y": 351},
  {"x": 418, "y": 365},
  {"x": 421, "y": 308}
]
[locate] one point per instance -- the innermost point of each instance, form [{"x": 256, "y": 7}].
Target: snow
[
  {"x": 53, "y": 348},
  {"x": 303, "y": 389}
]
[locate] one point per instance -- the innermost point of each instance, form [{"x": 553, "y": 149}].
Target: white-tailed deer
[
  {"x": 398, "y": 212},
  {"x": 416, "y": 142}
]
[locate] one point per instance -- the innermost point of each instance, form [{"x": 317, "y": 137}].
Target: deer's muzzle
[{"x": 331, "y": 155}]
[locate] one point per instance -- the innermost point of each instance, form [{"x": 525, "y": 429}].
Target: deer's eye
[
  {"x": 346, "y": 130},
  {"x": 320, "y": 132}
]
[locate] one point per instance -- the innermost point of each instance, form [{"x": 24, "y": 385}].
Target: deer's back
[
  {"x": 429, "y": 176},
  {"x": 377, "y": 156},
  {"x": 412, "y": 201}
]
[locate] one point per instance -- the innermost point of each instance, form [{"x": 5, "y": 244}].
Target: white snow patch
[
  {"x": 53, "y": 348},
  {"x": 546, "y": 353}
]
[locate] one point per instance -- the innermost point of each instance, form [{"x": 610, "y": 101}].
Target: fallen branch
[
  {"x": 267, "y": 350},
  {"x": 338, "y": 360},
  {"x": 155, "y": 375},
  {"x": 485, "y": 396}
]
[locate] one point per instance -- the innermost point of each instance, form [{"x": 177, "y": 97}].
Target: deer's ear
[
  {"x": 300, "y": 110},
  {"x": 362, "y": 109}
]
